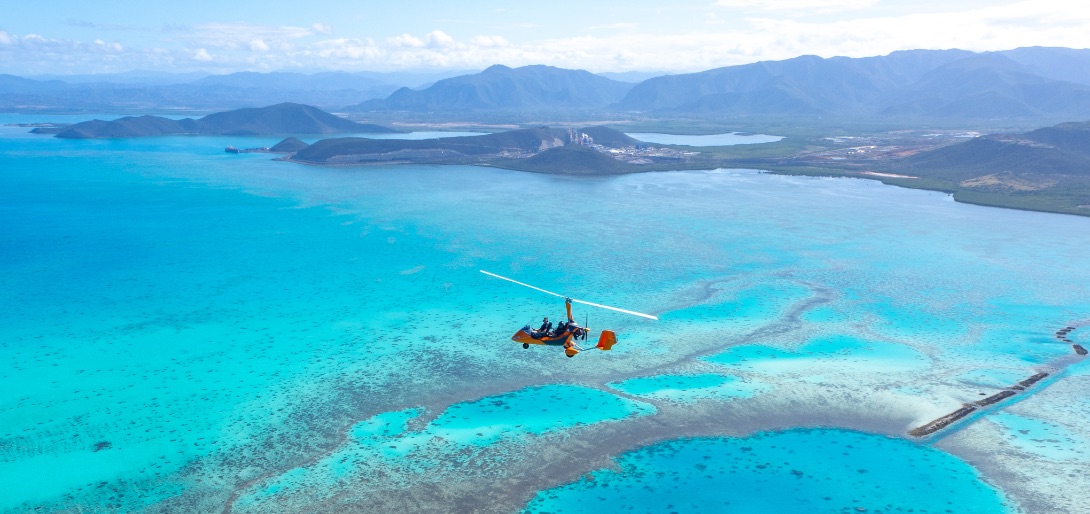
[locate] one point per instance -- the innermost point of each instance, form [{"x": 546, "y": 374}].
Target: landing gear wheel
[
  {"x": 570, "y": 356},
  {"x": 526, "y": 345}
]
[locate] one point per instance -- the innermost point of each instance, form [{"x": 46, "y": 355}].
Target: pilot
[{"x": 545, "y": 326}]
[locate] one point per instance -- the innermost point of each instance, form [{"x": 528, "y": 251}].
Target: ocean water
[
  {"x": 190, "y": 330},
  {"x": 793, "y": 471}
]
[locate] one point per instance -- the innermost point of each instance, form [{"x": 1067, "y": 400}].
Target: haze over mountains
[
  {"x": 144, "y": 91},
  {"x": 1025, "y": 83},
  {"x": 503, "y": 88}
]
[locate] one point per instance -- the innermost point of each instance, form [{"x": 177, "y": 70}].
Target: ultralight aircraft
[{"x": 566, "y": 333}]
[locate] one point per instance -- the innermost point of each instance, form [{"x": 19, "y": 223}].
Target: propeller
[{"x": 634, "y": 313}]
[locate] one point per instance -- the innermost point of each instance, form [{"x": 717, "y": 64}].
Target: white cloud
[
  {"x": 798, "y": 5},
  {"x": 345, "y": 49},
  {"x": 735, "y": 39},
  {"x": 322, "y": 28},
  {"x": 109, "y": 47},
  {"x": 989, "y": 28},
  {"x": 405, "y": 40},
  {"x": 438, "y": 39},
  {"x": 240, "y": 35},
  {"x": 202, "y": 55}
]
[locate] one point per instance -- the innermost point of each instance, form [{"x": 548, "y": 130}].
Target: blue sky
[{"x": 69, "y": 36}]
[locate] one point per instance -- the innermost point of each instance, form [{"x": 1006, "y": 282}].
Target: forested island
[{"x": 284, "y": 118}]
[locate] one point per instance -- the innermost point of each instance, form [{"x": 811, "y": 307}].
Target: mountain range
[
  {"x": 916, "y": 83},
  {"x": 1025, "y": 83},
  {"x": 1034, "y": 83},
  {"x": 529, "y": 88},
  {"x": 144, "y": 91}
]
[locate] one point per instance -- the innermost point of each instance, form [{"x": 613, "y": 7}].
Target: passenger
[{"x": 561, "y": 328}]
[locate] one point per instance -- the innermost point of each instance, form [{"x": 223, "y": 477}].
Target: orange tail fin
[{"x": 607, "y": 340}]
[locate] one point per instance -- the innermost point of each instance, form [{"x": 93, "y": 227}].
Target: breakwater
[
  {"x": 969, "y": 408},
  {"x": 1061, "y": 334}
]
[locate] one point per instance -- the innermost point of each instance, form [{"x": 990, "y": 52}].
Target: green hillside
[
  {"x": 348, "y": 150},
  {"x": 289, "y": 145},
  {"x": 1046, "y": 169}
]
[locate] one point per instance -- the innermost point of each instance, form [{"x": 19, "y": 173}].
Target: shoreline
[{"x": 885, "y": 178}]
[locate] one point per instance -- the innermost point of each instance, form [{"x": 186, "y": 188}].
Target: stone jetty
[
  {"x": 969, "y": 408},
  {"x": 1062, "y": 333}
]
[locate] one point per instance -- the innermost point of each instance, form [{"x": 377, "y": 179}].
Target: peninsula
[
  {"x": 585, "y": 151},
  {"x": 1047, "y": 169}
]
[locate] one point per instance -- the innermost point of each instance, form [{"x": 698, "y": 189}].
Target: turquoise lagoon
[
  {"x": 189, "y": 330},
  {"x": 687, "y": 388}
]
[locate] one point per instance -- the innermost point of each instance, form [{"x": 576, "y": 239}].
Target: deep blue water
[
  {"x": 793, "y": 471},
  {"x": 179, "y": 321}
]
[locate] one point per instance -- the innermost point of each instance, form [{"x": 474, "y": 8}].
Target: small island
[{"x": 284, "y": 118}]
